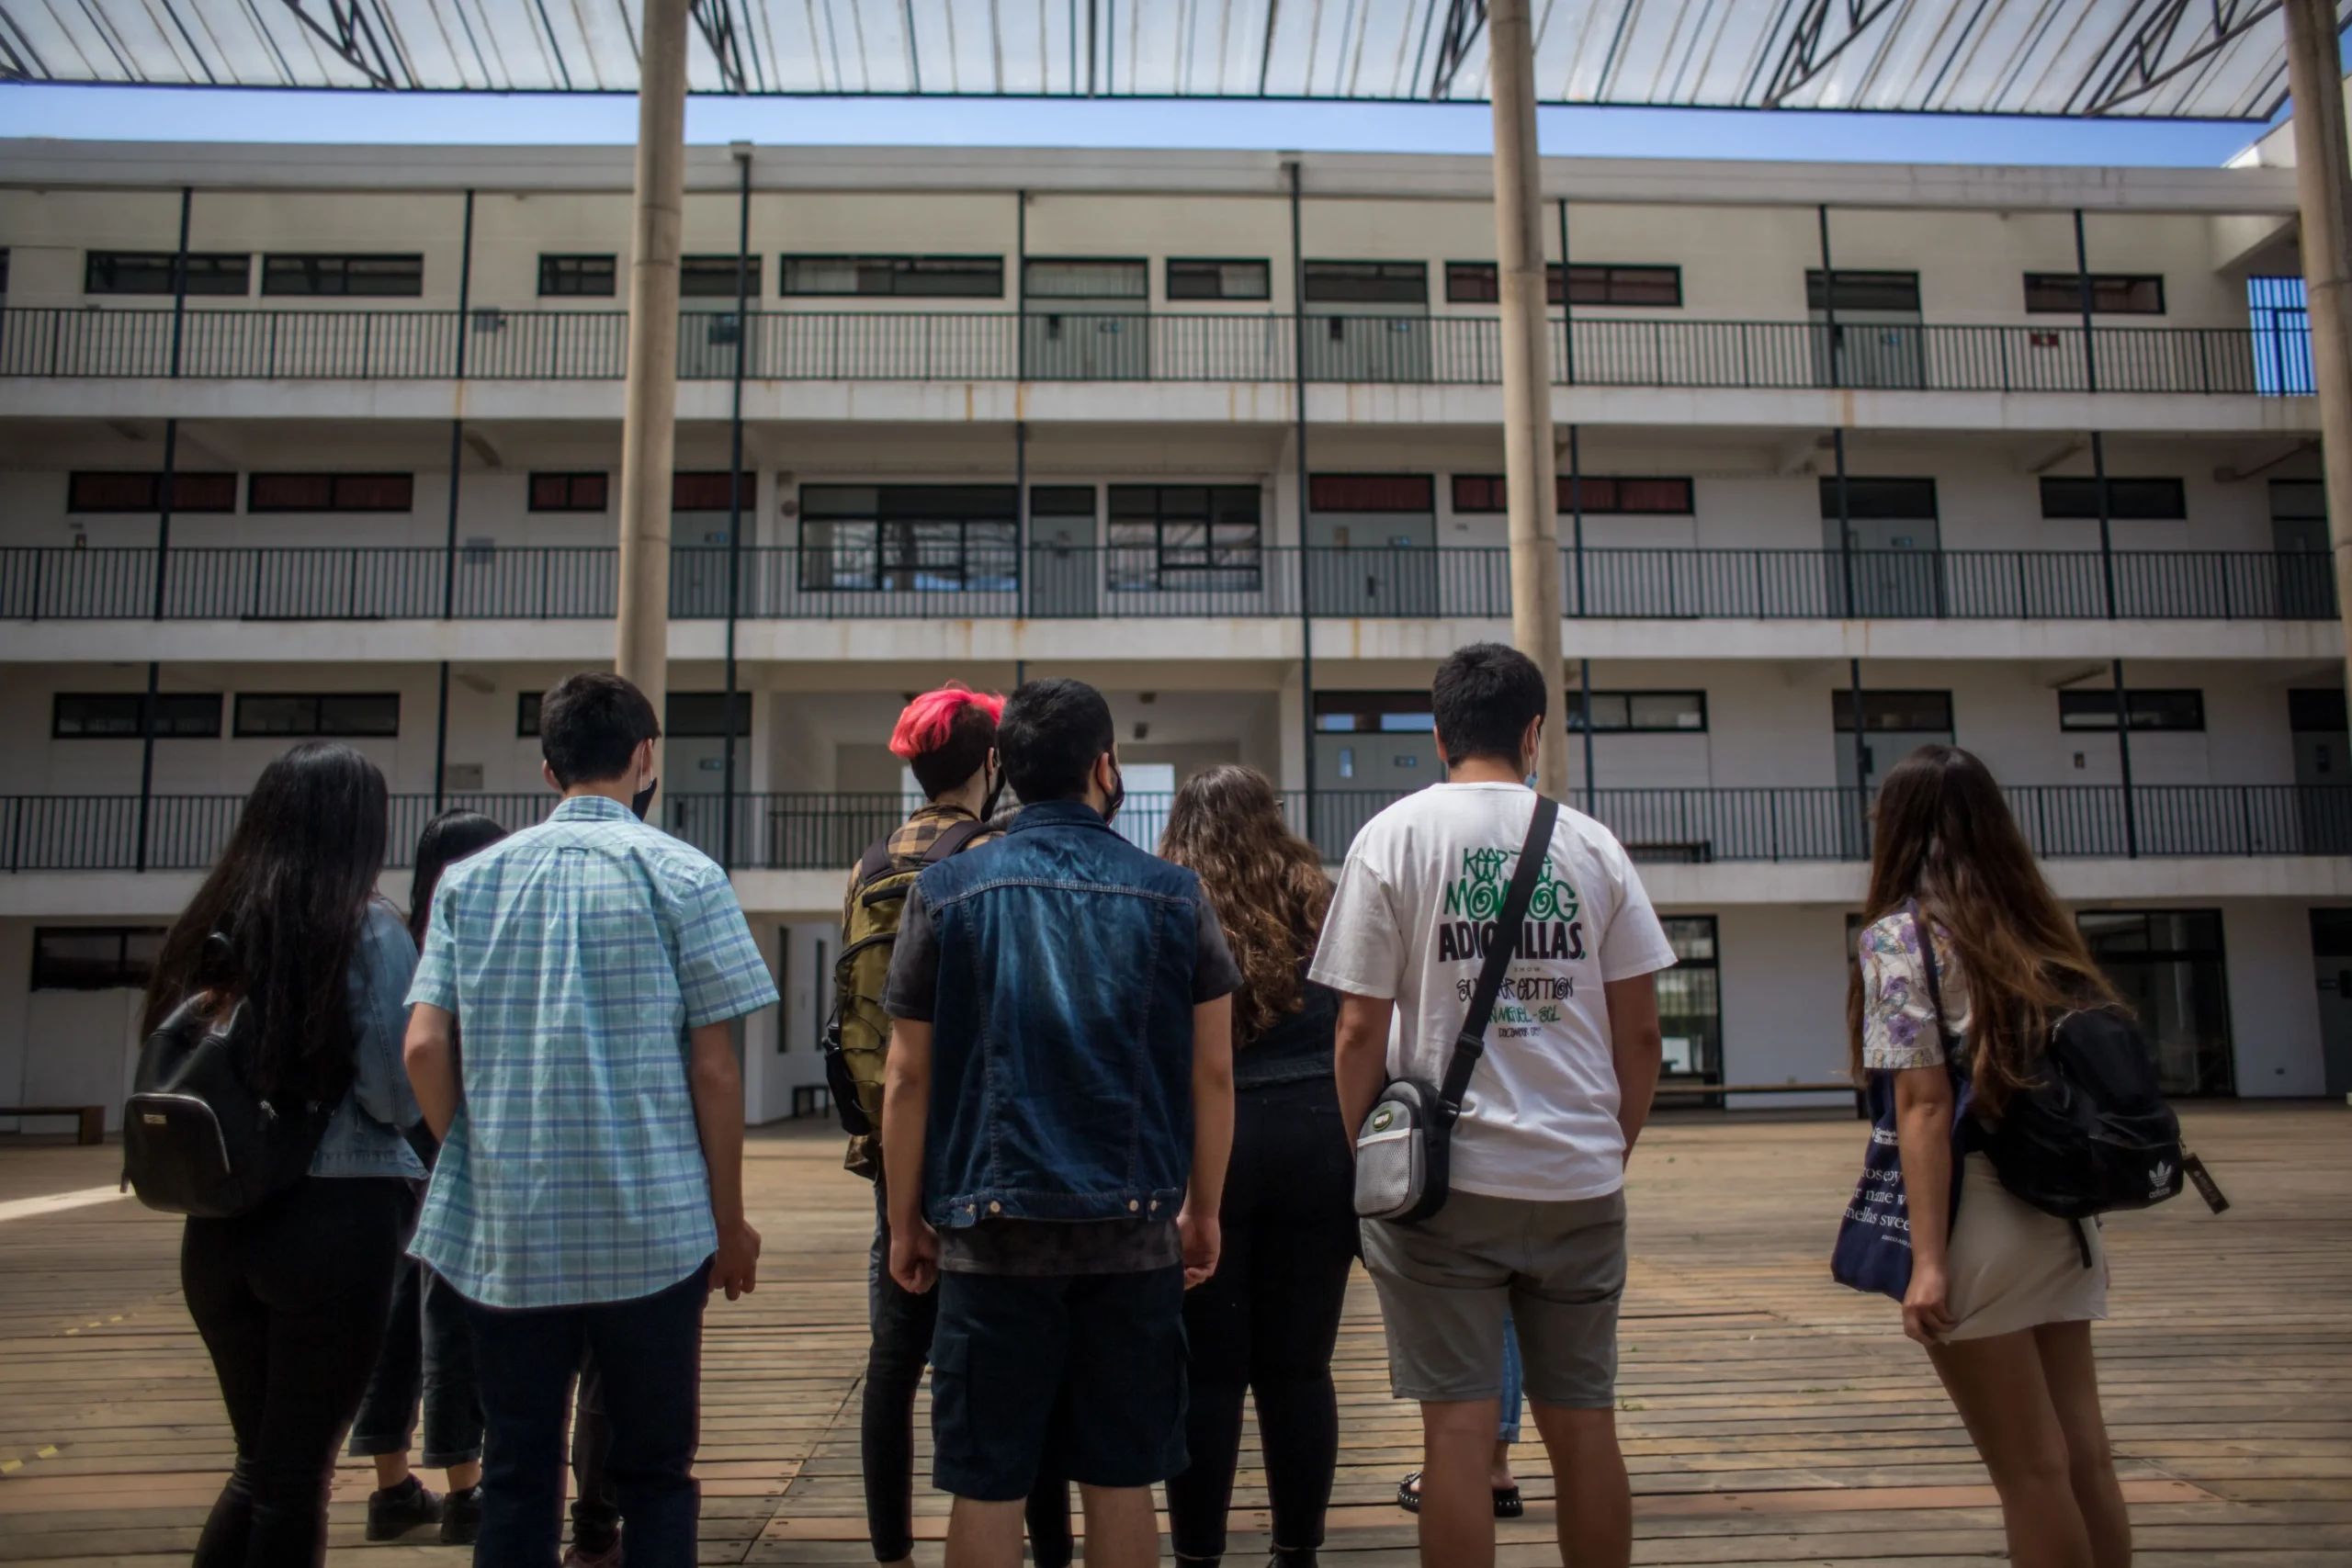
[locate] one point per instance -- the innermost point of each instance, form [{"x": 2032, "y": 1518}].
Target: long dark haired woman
[
  {"x": 2004, "y": 1303},
  {"x": 290, "y": 1298},
  {"x": 427, "y": 1358},
  {"x": 1266, "y": 1322}
]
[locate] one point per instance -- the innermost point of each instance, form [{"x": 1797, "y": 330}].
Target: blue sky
[{"x": 165, "y": 114}]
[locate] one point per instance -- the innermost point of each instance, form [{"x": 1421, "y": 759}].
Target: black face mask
[
  {"x": 1119, "y": 797},
  {"x": 995, "y": 794},
  {"x": 642, "y": 801}
]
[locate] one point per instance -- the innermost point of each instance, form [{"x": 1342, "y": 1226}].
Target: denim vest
[{"x": 1061, "y": 1067}]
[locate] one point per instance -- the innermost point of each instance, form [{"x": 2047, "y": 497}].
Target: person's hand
[
  {"x": 735, "y": 1269},
  {"x": 1926, "y": 1306},
  {"x": 1202, "y": 1238},
  {"x": 914, "y": 1255}
]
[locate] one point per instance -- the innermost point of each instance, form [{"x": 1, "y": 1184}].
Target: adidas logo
[{"x": 2160, "y": 1176}]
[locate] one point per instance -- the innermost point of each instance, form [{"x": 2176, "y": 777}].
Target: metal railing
[
  {"x": 793, "y": 582},
  {"x": 1096, "y": 345},
  {"x": 1687, "y": 825}
]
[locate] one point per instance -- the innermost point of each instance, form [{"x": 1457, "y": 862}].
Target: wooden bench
[{"x": 93, "y": 1118}]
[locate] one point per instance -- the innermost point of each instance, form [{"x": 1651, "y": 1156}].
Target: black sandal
[{"x": 1509, "y": 1505}]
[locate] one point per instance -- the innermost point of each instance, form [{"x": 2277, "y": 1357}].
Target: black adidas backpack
[
  {"x": 196, "y": 1139},
  {"x": 2090, "y": 1132}
]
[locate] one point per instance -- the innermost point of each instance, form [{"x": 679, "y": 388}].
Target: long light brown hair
[
  {"x": 1265, "y": 883},
  {"x": 1944, "y": 836}
]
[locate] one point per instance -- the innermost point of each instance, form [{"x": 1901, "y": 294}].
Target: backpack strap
[
  {"x": 954, "y": 840},
  {"x": 874, "y": 861}
]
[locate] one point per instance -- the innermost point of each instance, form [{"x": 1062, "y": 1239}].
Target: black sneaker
[
  {"x": 395, "y": 1510},
  {"x": 461, "y": 1516}
]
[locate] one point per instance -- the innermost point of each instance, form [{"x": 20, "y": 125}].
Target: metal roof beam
[
  {"x": 1823, "y": 29},
  {"x": 1464, "y": 20},
  {"x": 2151, "y": 47},
  {"x": 716, "y": 20},
  {"x": 354, "y": 38}
]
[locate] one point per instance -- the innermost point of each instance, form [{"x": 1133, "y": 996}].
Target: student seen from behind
[{"x": 590, "y": 1187}]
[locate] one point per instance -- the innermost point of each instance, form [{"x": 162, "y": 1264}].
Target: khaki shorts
[{"x": 1558, "y": 1269}]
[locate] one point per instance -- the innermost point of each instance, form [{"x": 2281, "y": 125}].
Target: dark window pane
[
  {"x": 2095, "y": 709},
  {"x": 713, "y": 277},
  {"x": 702, "y": 490},
  {"x": 370, "y": 714},
  {"x": 377, "y": 276},
  {"x": 907, "y": 277},
  {"x": 188, "y": 714},
  {"x": 1472, "y": 283},
  {"x": 1061, "y": 501},
  {"x": 104, "y": 715},
  {"x": 526, "y": 713},
  {"x": 150, "y": 272},
  {"x": 584, "y": 276},
  {"x": 703, "y": 715},
  {"x": 1372, "y": 492},
  {"x": 113, "y": 492},
  {"x": 1474, "y": 494},
  {"x": 1381, "y": 283},
  {"x": 568, "y": 493},
  {"x": 94, "y": 958},
  {"x": 2316, "y": 710},
  {"x": 374, "y": 492},
  {"x": 1900, "y": 712},
  {"x": 330, "y": 493},
  {"x": 2127, "y": 498},
  {"x": 263, "y": 715},
  {"x": 1864, "y": 291},
  {"x": 1048, "y": 278},
  {"x": 1652, "y": 286},
  {"x": 2112, "y": 294},
  {"x": 1219, "y": 279},
  {"x": 1880, "y": 497}
]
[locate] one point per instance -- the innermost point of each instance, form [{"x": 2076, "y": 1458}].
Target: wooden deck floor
[{"x": 1768, "y": 1416}]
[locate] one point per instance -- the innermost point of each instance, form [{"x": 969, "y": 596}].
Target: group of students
[{"x": 1110, "y": 1101}]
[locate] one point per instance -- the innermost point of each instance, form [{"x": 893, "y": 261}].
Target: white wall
[{"x": 2274, "y": 999}]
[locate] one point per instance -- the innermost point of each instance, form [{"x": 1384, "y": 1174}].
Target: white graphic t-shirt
[{"x": 1423, "y": 882}]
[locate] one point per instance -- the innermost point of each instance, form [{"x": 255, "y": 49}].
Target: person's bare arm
[
  {"x": 1360, "y": 1058},
  {"x": 906, "y": 1107},
  {"x": 430, "y": 1054},
  {"x": 1638, "y": 1049},
  {"x": 1197, "y": 1222},
  {"x": 1923, "y": 1113},
  {"x": 716, "y": 1080}
]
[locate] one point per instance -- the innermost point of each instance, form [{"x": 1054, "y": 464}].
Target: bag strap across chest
[{"x": 1471, "y": 1043}]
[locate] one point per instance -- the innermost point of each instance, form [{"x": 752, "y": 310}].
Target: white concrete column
[
  {"x": 2324, "y": 185},
  {"x": 1536, "y": 593},
  {"x": 650, "y": 419}
]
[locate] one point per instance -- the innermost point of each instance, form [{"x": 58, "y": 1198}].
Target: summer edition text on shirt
[{"x": 1422, "y": 884}]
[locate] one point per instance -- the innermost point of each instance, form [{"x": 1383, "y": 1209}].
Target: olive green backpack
[{"x": 857, "y": 1037}]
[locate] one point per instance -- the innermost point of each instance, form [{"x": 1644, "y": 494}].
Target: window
[
  {"x": 1375, "y": 713},
  {"x": 1061, "y": 501},
  {"x": 713, "y": 277},
  {"x": 1048, "y": 278},
  {"x": 905, "y": 278},
  {"x": 702, "y": 716},
  {"x": 1185, "y": 535},
  {"x": 2094, "y": 708},
  {"x": 1479, "y": 283},
  {"x": 150, "y": 272},
  {"x": 95, "y": 958},
  {"x": 581, "y": 276},
  {"x": 330, "y": 493},
  {"x": 1902, "y": 712},
  {"x": 704, "y": 490},
  {"x": 1863, "y": 290},
  {"x": 2314, "y": 710},
  {"x": 1219, "y": 279},
  {"x": 1372, "y": 492},
  {"x": 328, "y": 712},
  {"x": 381, "y": 277},
  {"x": 142, "y": 492},
  {"x": 113, "y": 715},
  {"x": 2129, "y": 499},
  {"x": 1603, "y": 495},
  {"x": 526, "y": 713},
  {"x": 1689, "y": 1000},
  {"x": 1642, "y": 713},
  {"x": 2280, "y": 314},
  {"x": 938, "y": 537},
  {"x": 4, "y": 269},
  {"x": 2112, "y": 294},
  {"x": 570, "y": 493},
  {"x": 1877, "y": 498},
  {"x": 1367, "y": 283},
  {"x": 2170, "y": 966}
]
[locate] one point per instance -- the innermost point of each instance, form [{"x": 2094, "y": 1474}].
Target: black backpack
[{"x": 196, "y": 1139}]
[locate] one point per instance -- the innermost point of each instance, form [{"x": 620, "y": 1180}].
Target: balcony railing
[
  {"x": 1039, "y": 345},
  {"x": 791, "y": 582},
  {"x": 827, "y": 832}
]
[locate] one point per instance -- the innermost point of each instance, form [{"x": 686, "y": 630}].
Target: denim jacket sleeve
[{"x": 363, "y": 1138}]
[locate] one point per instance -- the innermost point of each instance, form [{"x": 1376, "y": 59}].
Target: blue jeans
[
  {"x": 1506, "y": 1430},
  {"x": 648, "y": 1355}
]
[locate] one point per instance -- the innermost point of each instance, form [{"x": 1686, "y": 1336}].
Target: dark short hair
[
  {"x": 591, "y": 725},
  {"x": 1049, "y": 736},
  {"x": 1483, "y": 699}
]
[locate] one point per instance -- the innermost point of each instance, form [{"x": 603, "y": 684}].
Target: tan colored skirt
[{"x": 2013, "y": 1267}]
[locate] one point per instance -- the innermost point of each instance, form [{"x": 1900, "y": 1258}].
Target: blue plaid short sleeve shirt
[{"x": 576, "y": 955}]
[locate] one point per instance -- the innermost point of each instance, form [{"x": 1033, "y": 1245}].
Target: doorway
[
  {"x": 1879, "y": 339},
  {"x": 1062, "y": 575},
  {"x": 1368, "y": 321},
  {"x": 1891, "y": 551},
  {"x": 1373, "y": 541},
  {"x": 2315, "y": 718},
  {"x": 2298, "y": 534},
  {"x": 2332, "y": 957},
  {"x": 1085, "y": 320},
  {"x": 1894, "y": 725},
  {"x": 2168, "y": 965}
]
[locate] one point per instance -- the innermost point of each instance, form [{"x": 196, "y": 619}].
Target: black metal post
[
  {"x": 2099, "y": 446},
  {"x": 1021, "y": 517},
  {"x": 1576, "y": 510},
  {"x": 1306, "y": 577},
  {"x": 458, "y": 424},
  {"x": 1837, "y": 435},
  {"x": 1584, "y": 684},
  {"x": 1861, "y": 750},
  {"x": 164, "y": 487},
  {"x": 735, "y": 498},
  {"x": 1567, "y": 300},
  {"x": 441, "y": 741},
  {"x": 2123, "y": 756},
  {"x": 1020, "y": 288}
]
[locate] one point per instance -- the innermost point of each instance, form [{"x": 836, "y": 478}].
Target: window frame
[
  {"x": 1376, "y": 272},
  {"x": 1841, "y": 718},
  {"x": 722, "y": 267},
  {"x": 1689, "y": 965},
  {"x": 2173, "y": 507},
  {"x": 572, "y": 481},
  {"x": 902, "y": 269},
  {"x": 1859, "y": 483},
  {"x": 311, "y": 265},
  {"x": 130, "y": 972},
  {"x": 552, "y": 268},
  {"x": 1237, "y": 565},
  {"x": 1819, "y": 286},
  {"x": 683, "y": 481},
  {"x": 1484, "y": 281},
  {"x": 2070, "y": 284},
  {"x": 1263, "y": 264},
  {"x": 1573, "y": 713},
  {"x": 241, "y": 729},
  {"x": 1316, "y": 508},
  {"x": 1374, "y": 705},
  {"x": 136, "y": 702},
  {"x": 195, "y": 493},
  {"x": 898, "y": 547},
  {"x": 2086, "y": 717},
  {"x": 1597, "y": 501},
  {"x": 345, "y": 494},
  {"x": 206, "y": 276}
]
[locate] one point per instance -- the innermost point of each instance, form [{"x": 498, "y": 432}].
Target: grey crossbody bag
[{"x": 1404, "y": 1150}]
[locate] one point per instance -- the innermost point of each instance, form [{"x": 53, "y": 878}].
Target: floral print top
[{"x": 1898, "y": 1012}]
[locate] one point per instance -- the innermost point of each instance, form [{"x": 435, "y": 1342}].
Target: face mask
[
  {"x": 995, "y": 794},
  {"x": 1118, "y": 795},
  {"x": 642, "y": 801}
]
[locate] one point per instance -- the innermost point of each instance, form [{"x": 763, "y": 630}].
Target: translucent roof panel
[{"x": 2200, "y": 58}]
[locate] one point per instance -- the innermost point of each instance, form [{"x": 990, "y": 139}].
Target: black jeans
[
  {"x": 1266, "y": 1322},
  {"x": 903, "y": 1324},
  {"x": 290, "y": 1300},
  {"x": 649, "y": 1357},
  {"x": 428, "y": 1355}
]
